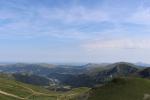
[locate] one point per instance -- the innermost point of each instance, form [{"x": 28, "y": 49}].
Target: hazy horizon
[{"x": 69, "y": 31}]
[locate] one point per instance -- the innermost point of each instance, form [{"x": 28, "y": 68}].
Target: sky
[{"x": 74, "y": 31}]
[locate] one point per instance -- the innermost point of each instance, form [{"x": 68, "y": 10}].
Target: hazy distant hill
[
  {"x": 32, "y": 79},
  {"x": 142, "y": 64},
  {"x": 76, "y": 76},
  {"x": 114, "y": 70},
  {"x": 91, "y": 78},
  {"x": 40, "y": 69}
]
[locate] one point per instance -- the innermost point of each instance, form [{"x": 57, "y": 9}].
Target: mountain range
[{"x": 96, "y": 78}]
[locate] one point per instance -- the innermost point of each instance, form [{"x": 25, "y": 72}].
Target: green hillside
[
  {"x": 122, "y": 89},
  {"x": 14, "y": 90}
]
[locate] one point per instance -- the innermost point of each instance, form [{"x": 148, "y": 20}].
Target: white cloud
[
  {"x": 141, "y": 16},
  {"x": 74, "y": 14},
  {"x": 118, "y": 44},
  {"x": 45, "y": 21}
]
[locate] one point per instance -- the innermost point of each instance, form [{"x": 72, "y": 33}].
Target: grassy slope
[
  {"x": 122, "y": 89},
  {"x": 2, "y": 97},
  {"x": 76, "y": 94},
  {"x": 30, "y": 92},
  {"x": 24, "y": 91}
]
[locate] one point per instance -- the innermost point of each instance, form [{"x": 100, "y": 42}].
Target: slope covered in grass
[
  {"x": 13, "y": 90},
  {"x": 122, "y": 89}
]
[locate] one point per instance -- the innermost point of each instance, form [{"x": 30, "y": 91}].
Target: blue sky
[{"x": 74, "y": 30}]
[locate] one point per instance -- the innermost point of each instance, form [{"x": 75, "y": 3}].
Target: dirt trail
[
  {"x": 11, "y": 95},
  {"x": 34, "y": 92},
  {"x": 146, "y": 97},
  {"x": 25, "y": 98}
]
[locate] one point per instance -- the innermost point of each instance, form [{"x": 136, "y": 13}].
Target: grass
[
  {"x": 2, "y": 97},
  {"x": 13, "y": 88},
  {"x": 42, "y": 97},
  {"x": 76, "y": 94},
  {"x": 122, "y": 89},
  {"x": 31, "y": 92},
  {"x": 22, "y": 90}
]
